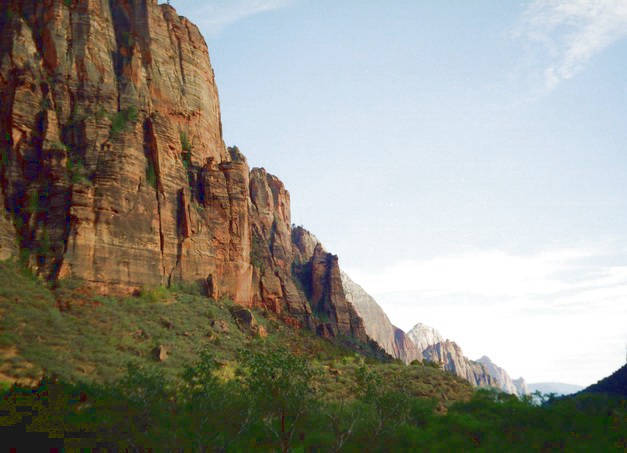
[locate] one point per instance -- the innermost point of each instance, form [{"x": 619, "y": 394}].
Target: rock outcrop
[
  {"x": 451, "y": 358},
  {"x": 114, "y": 170},
  {"x": 378, "y": 325},
  {"x": 521, "y": 387},
  {"x": 424, "y": 336},
  {"x": 8, "y": 247},
  {"x": 507, "y": 385}
]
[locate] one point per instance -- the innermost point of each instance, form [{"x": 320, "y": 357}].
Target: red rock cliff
[{"x": 114, "y": 169}]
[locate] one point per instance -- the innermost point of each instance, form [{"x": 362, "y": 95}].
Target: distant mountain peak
[
  {"x": 424, "y": 336},
  {"x": 378, "y": 326},
  {"x": 506, "y": 382}
]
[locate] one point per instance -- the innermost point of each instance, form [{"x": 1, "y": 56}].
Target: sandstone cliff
[
  {"x": 451, "y": 357},
  {"x": 499, "y": 374},
  {"x": 424, "y": 336},
  {"x": 114, "y": 170},
  {"x": 378, "y": 325}
]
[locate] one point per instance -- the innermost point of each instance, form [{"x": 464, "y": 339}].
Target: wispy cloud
[
  {"x": 569, "y": 33},
  {"x": 219, "y": 14},
  {"x": 496, "y": 273}
]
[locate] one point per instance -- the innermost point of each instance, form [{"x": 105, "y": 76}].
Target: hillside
[
  {"x": 614, "y": 384},
  {"x": 77, "y": 336}
]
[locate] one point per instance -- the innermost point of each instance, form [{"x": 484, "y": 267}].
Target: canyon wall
[
  {"x": 378, "y": 326},
  {"x": 451, "y": 357},
  {"x": 114, "y": 169}
]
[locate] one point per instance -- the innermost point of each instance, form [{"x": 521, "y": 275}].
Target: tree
[{"x": 281, "y": 384}]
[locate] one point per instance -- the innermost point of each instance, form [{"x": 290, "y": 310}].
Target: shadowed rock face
[
  {"x": 114, "y": 170},
  {"x": 378, "y": 325},
  {"x": 450, "y": 355}
]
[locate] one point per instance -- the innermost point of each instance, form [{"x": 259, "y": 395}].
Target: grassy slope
[{"x": 81, "y": 337}]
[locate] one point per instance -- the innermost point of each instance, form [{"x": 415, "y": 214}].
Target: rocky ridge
[
  {"x": 521, "y": 386},
  {"x": 378, "y": 326},
  {"x": 507, "y": 385},
  {"x": 424, "y": 336},
  {"x": 114, "y": 169},
  {"x": 451, "y": 357}
]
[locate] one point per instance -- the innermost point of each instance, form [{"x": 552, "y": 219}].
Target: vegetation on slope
[
  {"x": 225, "y": 388},
  {"x": 274, "y": 404},
  {"x": 615, "y": 384}
]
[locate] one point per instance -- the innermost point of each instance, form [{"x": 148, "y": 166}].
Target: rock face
[
  {"x": 378, "y": 325},
  {"x": 8, "y": 246},
  {"x": 451, "y": 356},
  {"x": 114, "y": 170},
  {"x": 424, "y": 336},
  {"x": 321, "y": 280},
  {"x": 521, "y": 387},
  {"x": 507, "y": 385}
]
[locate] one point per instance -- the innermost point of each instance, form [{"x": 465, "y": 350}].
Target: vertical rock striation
[
  {"x": 378, "y": 325},
  {"x": 507, "y": 385},
  {"x": 114, "y": 170},
  {"x": 451, "y": 357}
]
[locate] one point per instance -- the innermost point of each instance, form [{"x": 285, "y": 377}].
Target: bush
[
  {"x": 151, "y": 174},
  {"x": 186, "y": 146},
  {"x": 121, "y": 121},
  {"x": 154, "y": 295}
]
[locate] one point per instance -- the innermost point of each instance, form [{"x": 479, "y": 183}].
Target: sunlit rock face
[
  {"x": 114, "y": 169},
  {"x": 451, "y": 357},
  {"x": 507, "y": 385},
  {"x": 424, "y": 336},
  {"x": 378, "y": 325}
]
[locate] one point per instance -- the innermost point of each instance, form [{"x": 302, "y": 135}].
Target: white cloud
[
  {"x": 557, "y": 315},
  {"x": 492, "y": 274},
  {"x": 571, "y": 32},
  {"x": 219, "y": 14}
]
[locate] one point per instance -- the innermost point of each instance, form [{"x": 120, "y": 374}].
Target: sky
[{"x": 466, "y": 160}]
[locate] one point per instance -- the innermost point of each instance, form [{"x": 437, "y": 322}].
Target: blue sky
[{"x": 466, "y": 160}]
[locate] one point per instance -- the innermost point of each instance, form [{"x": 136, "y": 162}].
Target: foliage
[
  {"x": 77, "y": 171},
  {"x": 154, "y": 295},
  {"x": 223, "y": 390},
  {"x": 122, "y": 120},
  {"x": 144, "y": 409},
  {"x": 151, "y": 174},
  {"x": 58, "y": 146},
  {"x": 186, "y": 146}
]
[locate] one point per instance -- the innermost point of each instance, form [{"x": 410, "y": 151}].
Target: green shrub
[
  {"x": 151, "y": 174},
  {"x": 191, "y": 288},
  {"x": 154, "y": 295},
  {"x": 122, "y": 120}
]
